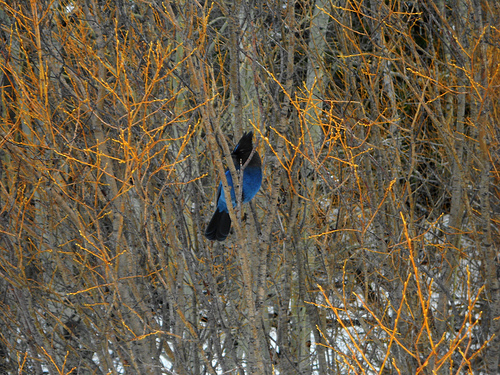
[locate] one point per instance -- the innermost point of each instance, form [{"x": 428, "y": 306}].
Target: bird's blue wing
[
  {"x": 252, "y": 179},
  {"x": 221, "y": 199}
]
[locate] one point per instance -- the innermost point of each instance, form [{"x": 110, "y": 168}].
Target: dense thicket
[{"x": 373, "y": 246}]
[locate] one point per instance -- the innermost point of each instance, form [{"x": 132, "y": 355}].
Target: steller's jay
[{"x": 219, "y": 226}]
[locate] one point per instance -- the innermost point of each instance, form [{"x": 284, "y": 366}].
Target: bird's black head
[
  {"x": 244, "y": 145},
  {"x": 243, "y": 150}
]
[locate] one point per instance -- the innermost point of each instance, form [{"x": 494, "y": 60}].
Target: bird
[{"x": 220, "y": 224}]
